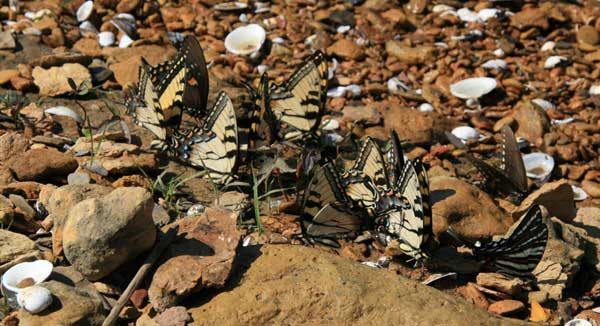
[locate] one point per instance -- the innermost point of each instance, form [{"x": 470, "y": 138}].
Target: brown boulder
[
  {"x": 41, "y": 164},
  {"x": 532, "y": 123},
  {"x": 556, "y": 196},
  {"x": 346, "y": 49}
]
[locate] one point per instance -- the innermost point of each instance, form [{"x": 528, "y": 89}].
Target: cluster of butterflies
[{"x": 383, "y": 192}]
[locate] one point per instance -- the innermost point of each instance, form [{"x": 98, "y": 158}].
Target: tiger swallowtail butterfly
[
  {"x": 511, "y": 177},
  {"x": 215, "y": 145},
  {"x": 520, "y": 250}
]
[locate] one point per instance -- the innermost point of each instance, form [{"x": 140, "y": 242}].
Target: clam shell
[
  {"x": 330, "y": 124},
  {"x": 595, "y": 90},
  {"x": 538, "y": 165},
  {"x": 548, "y": 46},
  {"x": 473, "y": 88},
  {"x": 466, "y": 133},
  {"x": 467, "y": 15},
  {"x": 579, "y": 194},
  {"x": 495, "y": 64},
  {"x": 552, "y": 61},
  {"x": 86, "y": 28},
  {"x": 441, "y": 8},
  {"x": 425, "y": 107},
  {"x": 341, "y": 90},
  {"x": 64, "y": 111},
  {"x": 578, "y": 322},
  {"x": 488, "y": 13},
  {"x": 394, "y": 84},
  {"x": 245, "y": 40},
  {"x": 545, "y": 105},
  {"x": 125, "y": 41},
  {"x": 38, "y": 270},
  {"x": 32, "y": 31},
  {"x": 34, "y": 299},
  {"x": 85, "y": 11},
  {"x": 106, "y": 38},
  {"x": 343, "y": 29},
  {"x": 231, "y": 6}
]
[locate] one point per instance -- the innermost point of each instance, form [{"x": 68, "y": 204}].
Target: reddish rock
[
  {"x": 41, "y": 164},
  {"x": 556, "y": 196},
  {"x": 175, "y": 316},
  {"x": 21, "y": 84},
  {"x": 532, "y": 17},
  {"x": 474, "y": 295},
  {"x": 138, "y": 298},
  {"x": 410, "y": 55},
  {"x": 346, "y": 49},
  {"x": 500, "y": 282},
  {"x": 6, "y": 75},
  {"x": 532, "y": 123}
]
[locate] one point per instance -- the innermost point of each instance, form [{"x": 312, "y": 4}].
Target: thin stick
[{"x": 139, "y": 276}]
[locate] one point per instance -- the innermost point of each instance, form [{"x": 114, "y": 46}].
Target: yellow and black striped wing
[
  {"x": 370, "y": 162},
  {"x": 183, "y": 81},
  {"x": 215, "y": 146},
  {"x": 300, "y": 101},
  {"x": 409, "y": 224},
  {"x": 521, "y": 249},
  {"x": 143, "y": 104}
]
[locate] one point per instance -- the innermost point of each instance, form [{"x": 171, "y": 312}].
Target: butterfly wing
[
  {"x": 394, "y": 159},
  {"x": 512, "y": 162},
  {"x": 144, "y": 105},
  {"x": 215, "y": 146},
  {"x": 521, "y": 249},
  {"x": 493, "y": 175},
  {"x": 370, "y": 162},
  {"x": 300, "y": 101}
]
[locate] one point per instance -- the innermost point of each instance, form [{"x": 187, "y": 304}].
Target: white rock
[
  {"x": 245, "y": 40},
  {"x": 561, "y": 121},
  {"x": 499, "y": 53},
  {"x": 495, "y": 64},
  {"x": 394, "y": 84},
  {"x": 343, "y": 29},
  {"x": 538, "y": 165},
  {"x": 552, "y": 61},
  {"x": 442, "y": 45},
  {"x": 473, "y": 88},
  {"x": 85, "y": 11},
  {"x": 548, "y": 46},
  {"x": 106, "y": 38},
  {"x": 441, "y": 8},
  {"x": 87, "y": 28},
  {"x": 32, "y": 31},
  {"x": 595, "y": 90},
  {"x": 34, "y": 299},
  {"x": 467, "y": 15},
  {"x": 243, "y": 18},
  {"x": 278, "y": 40},
  {"x": 341, "y": 90},
  {"x": 578, "y": 322},
  {"x": 545, "y": 105}
]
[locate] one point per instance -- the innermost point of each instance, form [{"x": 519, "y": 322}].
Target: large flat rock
[{"x": 294, "y": 285}]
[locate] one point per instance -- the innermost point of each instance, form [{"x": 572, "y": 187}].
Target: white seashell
[
  {"x": 467, "y": 15},
  {"x": 495, "y": 64},
  {"x": 330, "y": 124},
  {"x": 310, "y": 39},
  {"x": 38, "y": 270},
  {"x": 596, "y": 310},
  {"x": 538, "y": 165},
  {"x": 561, "y": 121},
  {"x": 38, "y": 14},
  {"x": 579, "y": 194},
  {"x": 488, "y": 13},
  {"x": 64, "y": 111},
  {"x": 473, "y": 87},
  {"x": 231, "y": 6},
  {"x": 243, "y": 18},
  {"x": 343, "y": 28},
  {"x": 552, "y": 61},
  {"x": 125, "y": 41},
  {"x": 425, "y": 107},
  {"x": 85, "y": 11},
  {"x": 34, "y": 299},
  {"x": 466, "y": 133},
  {"x": 548, "y": 46},
  {"x": 371, "y": 264},
  {"x": 499, "y": 53},
  {"x": 441, "y": 8},
  {"x": 125, "y": 16},
  {"x": 195, "y": 210},
  {"x": 443, "y": 45},
  {"x": 106, "y": 38},
  {"x": 278, "y": 40},
  {"x": 578, "y": 322},
  {"x": 394, "y": 84},
  {"x": 545, "y": 105},
  {"x": 245, "y": 39},
  {"x": 595, "y": 90},
  {"x": 341, "y": 90},
  {"x": 32, "y": 31},
  {"x": 87, "y": 28},
  {"x": 331, "y": 70},
  {"x": 261, "y": 69}
]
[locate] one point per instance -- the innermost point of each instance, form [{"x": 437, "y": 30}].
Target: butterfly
[
  {"x": 215, "y": 145},
  {"x": 511, "y": 178},
  {"x": 326, "y": 207},
  {"x": 520, "y": 250},
  {"x": 181, "y": 84},
  {"x": 400, "y": 202},
  {"x": 294, "y": 108}
]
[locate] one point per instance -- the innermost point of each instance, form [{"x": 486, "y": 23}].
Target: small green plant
[
  {"x": 170, "y": 189},
  {"x": 255, "y": 199}
]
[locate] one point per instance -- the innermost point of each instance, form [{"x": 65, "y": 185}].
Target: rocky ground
[{"x": 63, "y": 180}]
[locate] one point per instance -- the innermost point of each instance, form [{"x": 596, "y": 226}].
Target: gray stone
[
  {"x": 15, "y": 246},
  {"x": 100, "y": 234},
  {"x": 7, "y": 41}
]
